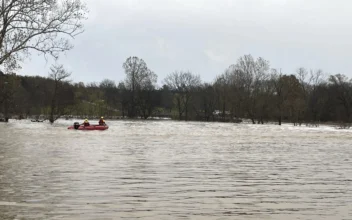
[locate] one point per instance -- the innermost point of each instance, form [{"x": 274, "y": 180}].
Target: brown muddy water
[{"x": 174, "y": 170}]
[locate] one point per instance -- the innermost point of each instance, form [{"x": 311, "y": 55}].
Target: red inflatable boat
[{"x": 77, "y": 126}]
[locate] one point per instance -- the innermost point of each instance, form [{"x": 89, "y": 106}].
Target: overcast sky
[{"x": 206, "y": 36}]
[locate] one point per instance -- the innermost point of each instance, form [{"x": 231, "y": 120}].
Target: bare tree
[
  {"x": 123, "y": 97},
  {"x": 205, "y": 102},
  {"x": 138, "y": 78},
  {"x": 183, "y": 84},
  {"x": 38, "y": 25},
  {"x": 309, "y": 82},
  {"x": 248, "y": 78},
  {"x": 107, "y": 83},
  {"x": 110, "y": 91},
  {"x": 264, "y": 101},
  {"x": 59, "y": 104},
  {"x": 222, "y": 86},
  {"x": 9, "y": 84},
  {"x": 145, "y": 102},
  {"x": 342, "y": 87},
  {"x": 278, "y": 86},
  {"x": 288, "y": 96}
]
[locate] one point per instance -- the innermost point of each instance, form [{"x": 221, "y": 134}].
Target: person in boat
[
  {"x": 86, "y": 122},
  {"x": 101, "y": 121}
]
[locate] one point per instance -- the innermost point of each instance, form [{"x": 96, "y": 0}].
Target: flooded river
[{"x": 174, "y": 170}]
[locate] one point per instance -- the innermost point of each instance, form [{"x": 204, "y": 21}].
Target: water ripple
[{"x": 174, "y": 170}]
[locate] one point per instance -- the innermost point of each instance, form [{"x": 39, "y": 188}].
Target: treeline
[{"x": 249, "y": 89}]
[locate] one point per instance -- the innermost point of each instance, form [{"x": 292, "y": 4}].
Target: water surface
[{"x": 174, "y": 170}]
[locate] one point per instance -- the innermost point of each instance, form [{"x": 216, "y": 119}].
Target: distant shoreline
[{"x": 336, "y": 125}]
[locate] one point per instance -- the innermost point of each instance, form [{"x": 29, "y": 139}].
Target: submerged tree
[
  {"x": 9, "y": 84},
  {"x": 341, "y": 87},
  {"x": 123, "y": 98},
  {"x": 224, "y": 95},
  {"x": 205, "y": 102},
  {"x": 62, "y": 97},
  {"x": 140, "y": 81},
  {"x": 287, "y": 96},
  {"x": 249, "y": 76},
  {"x": 183, "y": 84},
  {"x": 110, "y": 91},
  {"x": 313, "y": 95}
]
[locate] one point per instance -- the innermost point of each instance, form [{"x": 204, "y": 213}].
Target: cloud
[
  {"x": 214, "y": 57},
  {"x": 206, "y": 36},
  {"x": 163, "y": 47}
]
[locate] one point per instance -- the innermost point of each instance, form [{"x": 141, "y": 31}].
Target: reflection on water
[{"x": 174, "y": 170}]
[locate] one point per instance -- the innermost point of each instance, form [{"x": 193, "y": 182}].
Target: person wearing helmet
[
  {"x": 101, "y": 121},
  {"x": 86, "y": 122}
]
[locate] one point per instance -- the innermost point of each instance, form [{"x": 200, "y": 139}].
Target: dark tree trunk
[
  {"x": 223, "y": 111},
  {"x": 253, "y": 121},
  {"x": 52, "y": 111},
  {"x": 6, "y": 112},
  {"x": 179, "y": 109}
]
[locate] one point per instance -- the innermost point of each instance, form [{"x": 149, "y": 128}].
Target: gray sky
[{"x": 206, "y": 36}]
